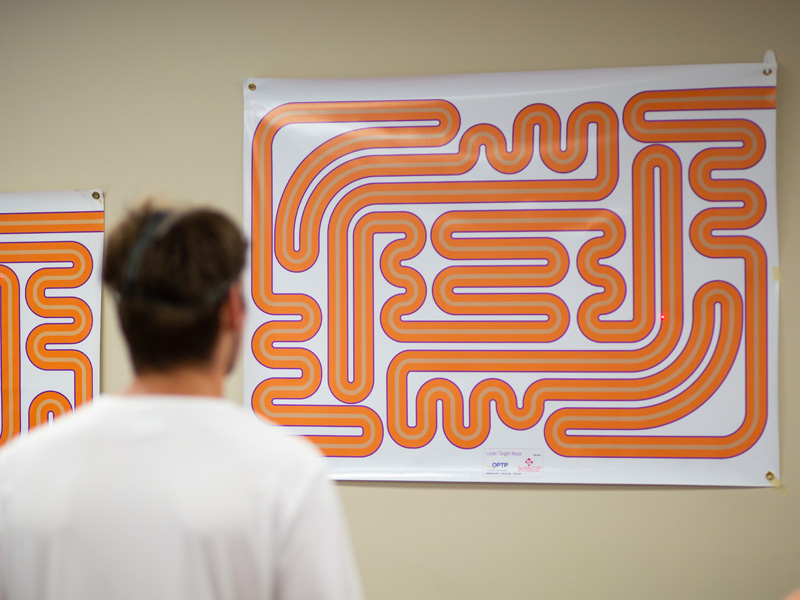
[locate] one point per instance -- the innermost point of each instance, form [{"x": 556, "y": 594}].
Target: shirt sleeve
[{"x": 316, "y": 559}]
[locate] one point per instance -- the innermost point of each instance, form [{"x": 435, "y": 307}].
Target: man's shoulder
[
  {"x": 257, "y": 447},
  {"x": 110, "y": 418},
  {"x": 275, "y": 439},
  {"x": 232, "y": 429},
  {"x": 45, "y": 439}
]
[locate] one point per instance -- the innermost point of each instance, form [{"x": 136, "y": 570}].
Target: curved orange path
[
  {"x": 77, "y": 257},
  {"x": 544, "y": 316}
]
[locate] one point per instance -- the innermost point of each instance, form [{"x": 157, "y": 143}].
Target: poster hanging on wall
[
  {"x": 564, "y": 277},
  {"x": 51, "y": 250}
]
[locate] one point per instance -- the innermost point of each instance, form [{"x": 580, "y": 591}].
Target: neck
[{"x": 182, "y": 381}]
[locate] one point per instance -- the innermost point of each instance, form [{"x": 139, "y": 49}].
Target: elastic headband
[{"x": 157, "y": 227}]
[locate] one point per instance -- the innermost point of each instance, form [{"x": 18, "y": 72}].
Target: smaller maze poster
[
  {"x": 565, "y": 277},
  {"x": 51, "y": 250}
]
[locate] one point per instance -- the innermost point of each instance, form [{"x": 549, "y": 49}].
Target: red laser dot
[{"x": 663, "y": 317}]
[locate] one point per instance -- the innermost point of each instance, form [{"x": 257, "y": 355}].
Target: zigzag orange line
[{"x": 56, "y": 307}]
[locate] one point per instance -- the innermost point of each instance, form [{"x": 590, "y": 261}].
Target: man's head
[{"x": 172, "y": 272}]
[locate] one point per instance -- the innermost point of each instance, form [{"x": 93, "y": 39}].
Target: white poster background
[
  {"x": 52, "y": 244},
  {"x": 507, "y": 454}
]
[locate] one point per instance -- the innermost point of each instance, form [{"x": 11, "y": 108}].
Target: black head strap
[{"x": 157, "y": 226}]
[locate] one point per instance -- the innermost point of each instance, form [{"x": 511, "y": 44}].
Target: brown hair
[{"x": 170, "y": 271}]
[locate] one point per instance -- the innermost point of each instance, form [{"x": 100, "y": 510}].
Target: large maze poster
[
  {"x": 51, "y": 253},
  {"x": 562, "y": 277}
]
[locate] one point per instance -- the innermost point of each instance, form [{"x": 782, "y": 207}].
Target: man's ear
[{"x": 232, "y": 313}]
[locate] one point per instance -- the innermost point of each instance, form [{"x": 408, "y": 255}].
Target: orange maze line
[
  {"x": 531, "y": 411},
  {"x": 589, "y": 257},
  {"x": 55, "y": 307},
  {"x": 446, "y": 125},
  {"x": 487, "y": 391},
  {"x": 561, "y": 427},
  {"x": 298, "y": 255},
  {"x": 401, "y": 305},
  {"x": 701, "y": 389},
  {"x": 62, "y": 222},
  {"x": 595, "y": 250},
  {"x": 46, "y": 405},
  {"x": 25, "y": 223},
  {"x": 592, "y": 270},
  {"x": 528, "y": 249},
  {"x": 303, "y": 313},
  {"x": 670, "y": 303},
  {"x": 9, "y": 355},
  {"x": 708, "y": 237}
]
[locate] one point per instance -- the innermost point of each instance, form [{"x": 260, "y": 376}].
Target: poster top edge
[
  {"x": 501, "y": 74},
  {"x": 84, "y": 200}
]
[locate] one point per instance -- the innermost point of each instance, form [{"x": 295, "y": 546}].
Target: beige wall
[{"x": 143, "y": 95}]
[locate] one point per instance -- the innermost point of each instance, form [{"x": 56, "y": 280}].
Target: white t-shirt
[{"x": 169, "y": 497}]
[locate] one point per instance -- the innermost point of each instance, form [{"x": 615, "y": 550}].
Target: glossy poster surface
[
  {"x": 562, "y": 277},
  {"x": 51, "y": 251}
]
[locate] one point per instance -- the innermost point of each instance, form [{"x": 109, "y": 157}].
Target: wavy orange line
[
  {"x": 11, "y": 422},
  {"x": 706, "y": 236}
]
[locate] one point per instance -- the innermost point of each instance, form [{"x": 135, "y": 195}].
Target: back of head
[{"x": 171, "y": 271}]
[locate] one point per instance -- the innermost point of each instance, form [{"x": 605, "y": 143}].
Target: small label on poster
[{"x": 512, "y": 463}]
